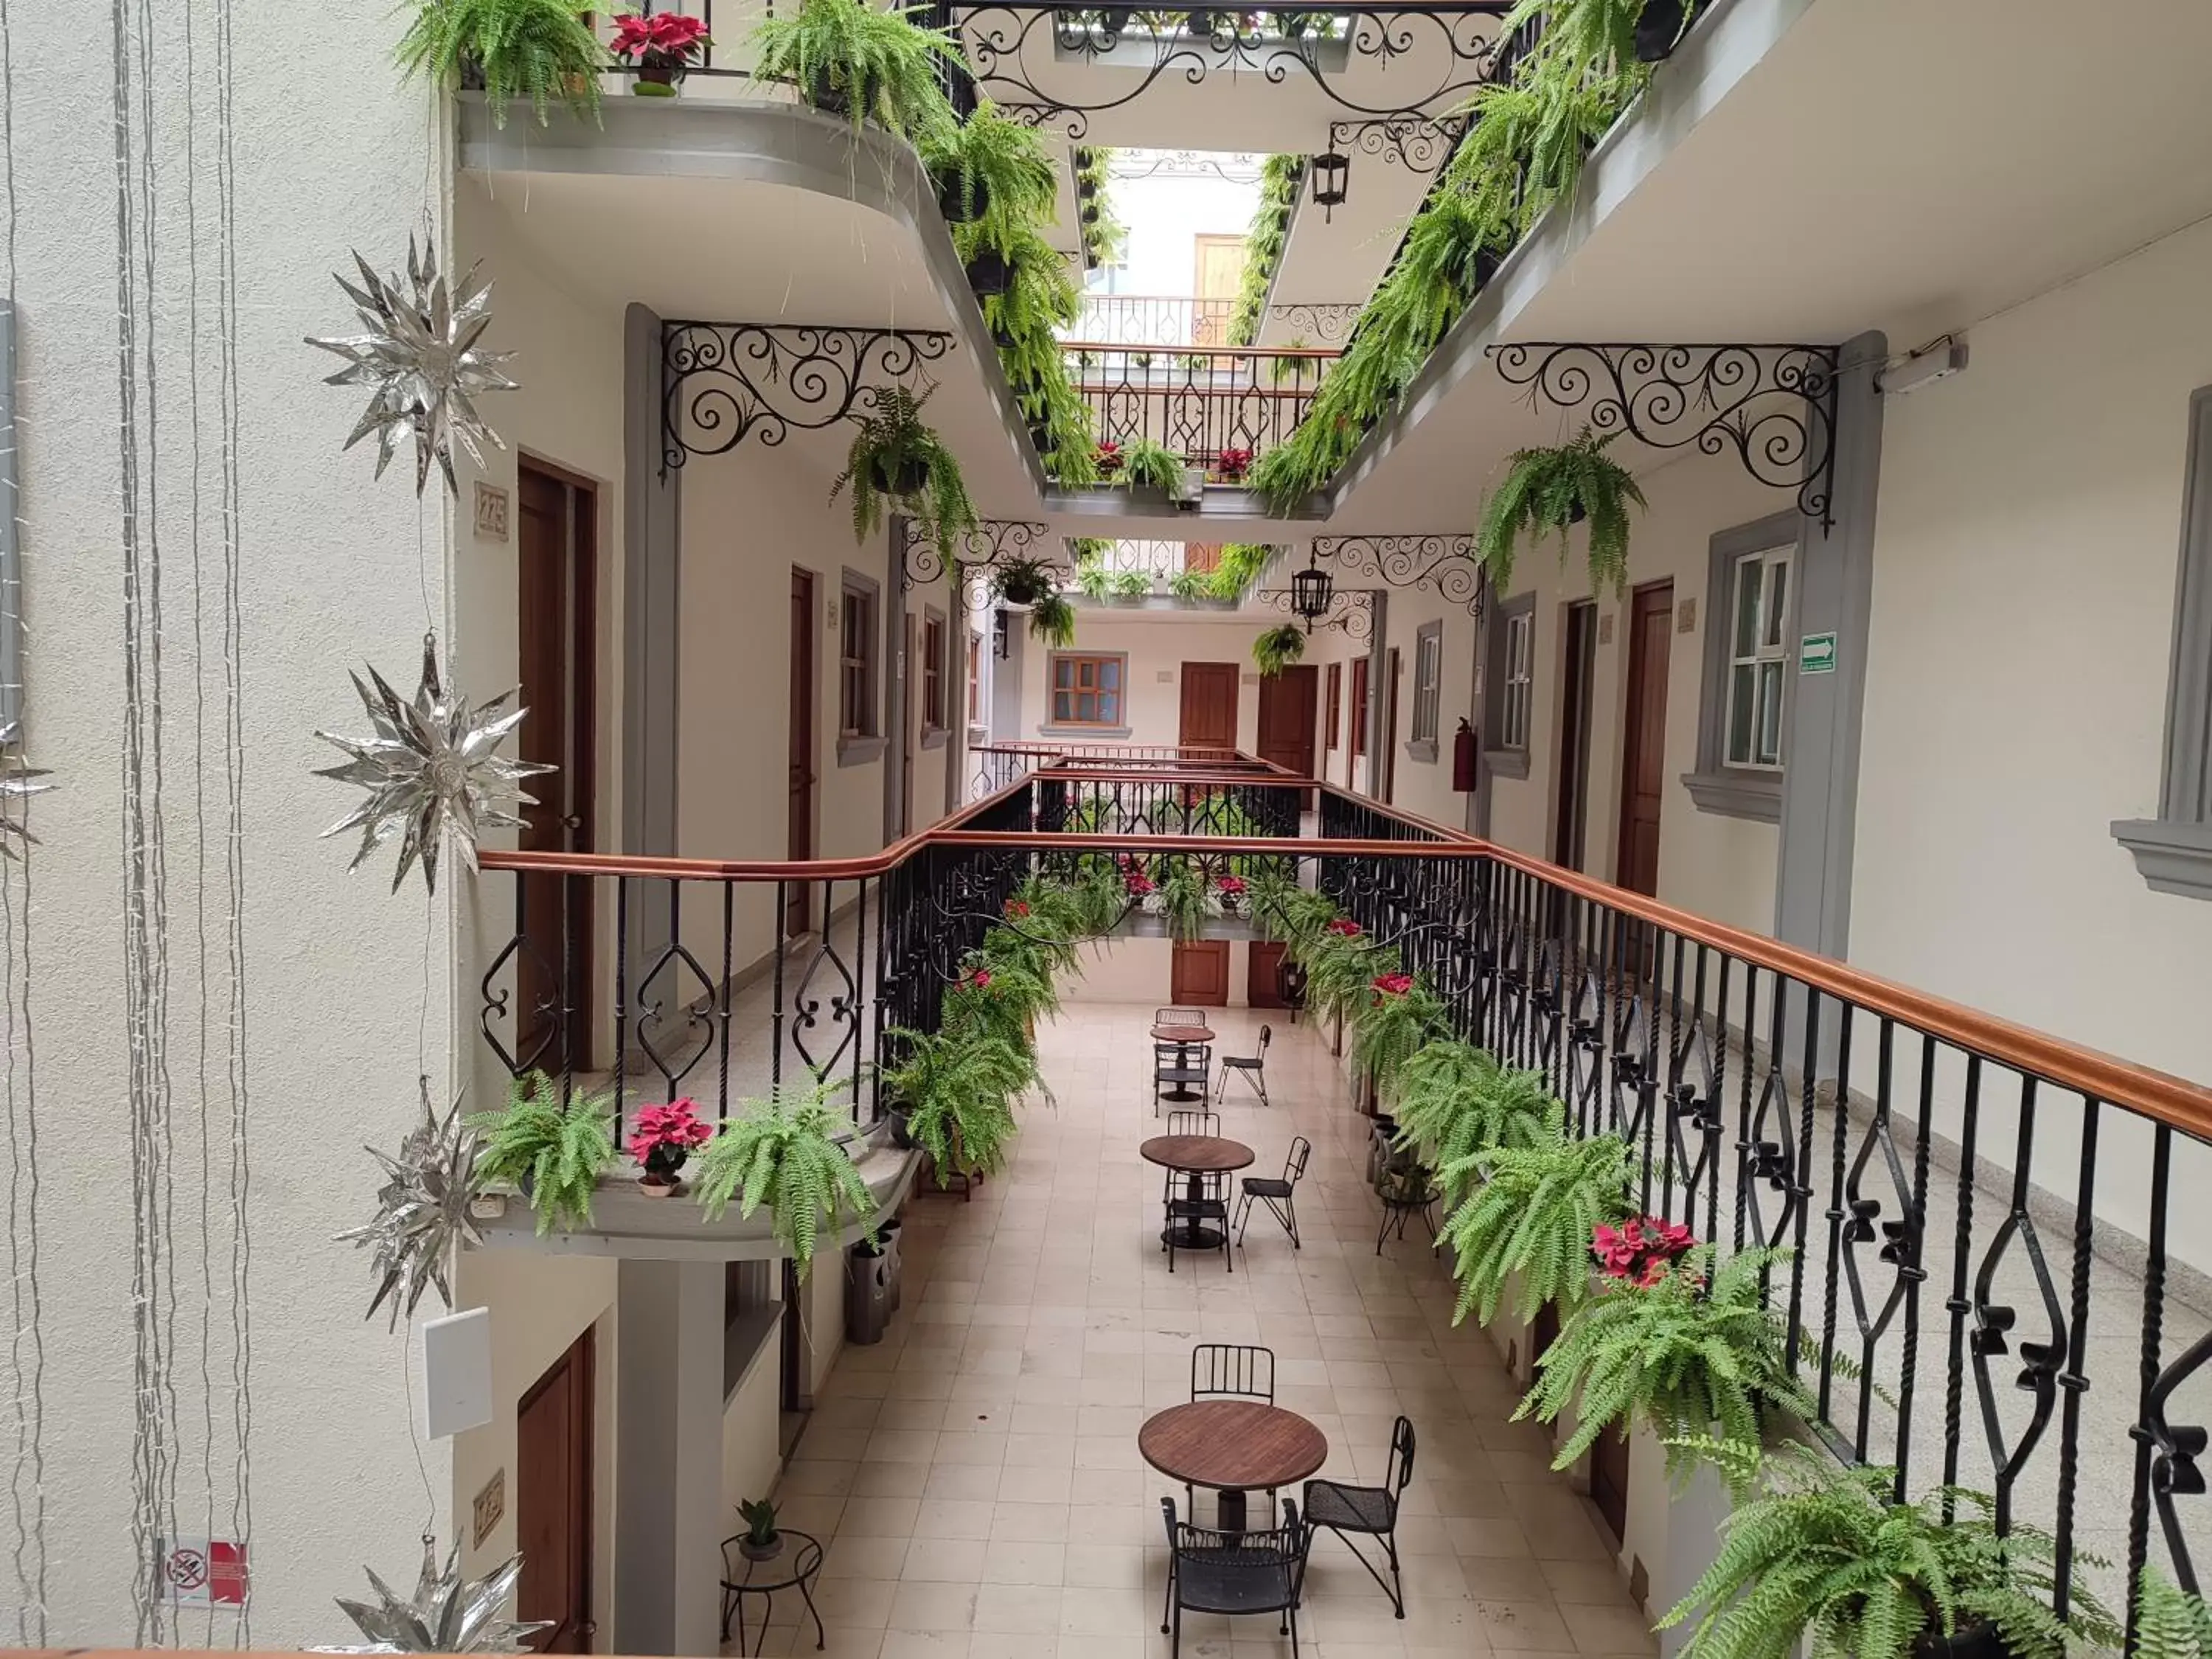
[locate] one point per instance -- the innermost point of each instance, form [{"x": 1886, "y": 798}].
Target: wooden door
[
  {"x": 1290, "y": 713},
  {"x": 1219, "y": 275},
  {"x": 1389, "y": 755},
  {"x": 1199, "y": 975},
  {"x": 1643, "y": 752},
  {"x": 1209, "y": 706},
  {"x": 1263, "y": 971},
  {"x": 1201, "y": 556},
  {"x": 556, "y": 586},
  {"x": 1356, "y": 712},
  {"x": 1577, "y": 665},
  {"x": 801, "y": 757},
  {"x": 553, "y": 1501},
  {"x": 909, "y": 717}
]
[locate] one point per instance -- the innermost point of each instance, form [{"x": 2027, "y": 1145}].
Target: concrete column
[
  {"x": 652, "y": 545},
  {"x": 669, "y": 1519},
  {"x": 1378, "y": 696}
]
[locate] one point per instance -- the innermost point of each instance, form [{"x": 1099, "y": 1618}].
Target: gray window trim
[
  {"x": 1424, "y": 748},
  {"x": 932, "y": 736},
  {"x": 869, "y": 745},
  {"x": 1497, "y": 759},
  {"x": 2173, "y": 851},
  {"x": 1737, "y": 792}
]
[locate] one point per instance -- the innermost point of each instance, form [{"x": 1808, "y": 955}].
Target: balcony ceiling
[{"x": 1806, "y": 170}]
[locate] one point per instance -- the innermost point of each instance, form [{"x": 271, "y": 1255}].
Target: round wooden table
[
  {"x": 1233, "y": 1446},
  {"x": 1195, "y": 1155},
  {"x": 1185, "y": 1038}
]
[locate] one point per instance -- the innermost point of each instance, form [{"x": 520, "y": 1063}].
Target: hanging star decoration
[
  {"x": 431, "y": 769},
  {"x": 421, "y": 1212},
  {"x": 447, "y": 1614},
  {"x": 420, "y": 362},
  {"x": 17, "y": 782}
]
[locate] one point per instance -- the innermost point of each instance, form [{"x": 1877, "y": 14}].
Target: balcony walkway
[{"x": 977, "y": 1473}]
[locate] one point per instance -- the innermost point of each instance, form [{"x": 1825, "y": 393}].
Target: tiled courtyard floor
[{"x": 975, "y": 1475}]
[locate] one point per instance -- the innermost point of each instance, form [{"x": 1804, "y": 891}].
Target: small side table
[{"x": 794, "y": 1568}]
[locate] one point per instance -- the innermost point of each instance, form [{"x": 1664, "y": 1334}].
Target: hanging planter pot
[
  {"x": 1115, "y": 19},
  {"x": 901, "y": 1129},
  {"x": 901, "y": 475},
  {"x": 963, "y": 205},
  {"x": 988, "y": 273},
  {"x": 831, "y": 98},
  {"x": 1657, "y": 29},
  {"x": 1971, "y": 1642},
  {"x": 1086, "y": 188}
]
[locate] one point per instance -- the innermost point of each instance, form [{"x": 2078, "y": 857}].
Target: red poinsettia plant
[
  {"x": 1108, "y": 457},
  {"x": 977, "y": 978},
  {"x": 1641, "y": 1250},
  {"x": 1344, "y": 928},
  {"x": 1137, "y": 883},
  {"x": 1233, "y": 885},
  {"x": 1233, "y": 464},
  {"x": 662, "y": 1137},
  {"x": 1392, "y": 985},
  {"x": 664, "y": 45},
  {"x": 1016, "y": 910}
]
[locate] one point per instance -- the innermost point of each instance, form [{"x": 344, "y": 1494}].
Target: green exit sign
[{"x": 1816, "y": 653}]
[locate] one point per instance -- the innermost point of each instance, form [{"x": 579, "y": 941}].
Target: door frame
[
  {"x": 580, "y": 1360},
  {"x": 1577, "y": 717},
  {"x": 1631, "y": 724}
]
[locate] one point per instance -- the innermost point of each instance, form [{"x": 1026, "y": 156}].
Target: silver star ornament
[
  {"x": 420, "y": 362},
  {"x": 17, "y": 782},
  {"x": 431, "y": 769},
  {"x": 421, "y": 1212},
  {"x": 447, "y": 1614}
]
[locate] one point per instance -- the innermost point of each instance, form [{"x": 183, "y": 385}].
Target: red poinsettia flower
[
  {"x": 1016, "y": 909},
  {"x": 1233, "y": 464},
  {"x": 663, "y": 34},
  {"x": 1345, "y": 928},
  {"x": 676, "y": 1127},
  {"x": 1108, "y": 455},
  {"x": 1393, "y": 985},
  {"x": 980, "y": 978},
  {"x": 1233, "y": 884},
  {"x": 1641, "y": 1250},
  {"x": 1137, "y": 881}
]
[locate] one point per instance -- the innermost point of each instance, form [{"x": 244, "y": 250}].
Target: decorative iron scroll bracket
[
  {"x": 1328, "y": 324},
  {"x": 991, "y": 542},
  {"x": 721, "y": 383},
  {"x": 1458, "y": 46},
  {"x": 1350, "y": 610},
  {"x": 1419, "y": 143},
  {"x": 1773, "y": 405},
  {"x": 1443, "y": 565}
]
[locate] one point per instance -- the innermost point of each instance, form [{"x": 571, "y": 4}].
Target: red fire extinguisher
[{"x": 1463, "y": 757}]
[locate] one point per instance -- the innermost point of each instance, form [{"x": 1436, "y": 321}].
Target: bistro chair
[
  {"x": 1193, "y": 1200},
  {"x": 1232, "y": 1371},
  {"x": 1251, "y": 1068},
  {"x": 1234, "y": 1573},
  {"x": 1199, "y": 1122},
  {"x": 1279, "y": 1196},
  {"x": 1208, "y": 1191},
  {"x": 1181, "y": 1065},
  {"x": 1369, "y": 1510},
  {"x": 1179, "y": 1016}
]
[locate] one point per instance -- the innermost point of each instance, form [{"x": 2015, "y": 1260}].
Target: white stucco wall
[
  {"x": 1156, "y": 650},
  {"x": 327, "y": 579},
  {"x": 2016, "y": 682}
]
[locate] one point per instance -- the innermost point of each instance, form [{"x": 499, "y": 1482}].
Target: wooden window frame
[
  {"x": 1054, "y": 720},
  {"x": 859, "y": 670},
  {"x": 935, "y": 671},
  {"x": 1428, "y": 691}
]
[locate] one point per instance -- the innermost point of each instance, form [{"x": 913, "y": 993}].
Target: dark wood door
[
  {"x": 1263, "y": 971},
  {"x": 553, "y": 1501},
  {"x": 1356, "y": 712},
  {"x": 1643, "y": 752},
  {"x": 1577, "y": 670},
  {"x": 556, "y": 585},
  {"x": 909, "y": 716},
  {"x": 1389, "y": 755},
  {"x": 1200, "y": 977},
  {"x": 801, "y": 754},
  {"x": 1289, "y": 720},
  {"x": 1209, "y": 706}
]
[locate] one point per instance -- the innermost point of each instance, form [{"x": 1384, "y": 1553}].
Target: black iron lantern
[
  {"x": 1001, "y": 637},
  {"x": 1312, "y": 590},
  {"x": 1332, "y": 175}
]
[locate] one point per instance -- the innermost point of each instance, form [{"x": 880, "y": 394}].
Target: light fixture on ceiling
[
  {"x": 1332, "y": 176},
  {"x": 1939, "y": 359},
  {"x": 1311, "y": 591}
]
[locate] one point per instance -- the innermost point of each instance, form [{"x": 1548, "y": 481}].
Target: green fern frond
[
  {"x": 782, "y": 1152},
  {"x": 553, "y": 1148},
  {"x": 1533, "y": 1215}
]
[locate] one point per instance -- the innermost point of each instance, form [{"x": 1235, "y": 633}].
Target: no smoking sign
[{"x": 202, "y": 1572}]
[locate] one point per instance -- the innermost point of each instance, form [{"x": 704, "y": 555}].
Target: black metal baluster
[
  {"x": 1837, "y": 1154},
  {"x": 1801, "y": 1175},
  {"x": 1913, "y": 1246},
  {"x": 775, "y": 1013},
  {"x": 622, "y": 999},
  {"x": 1744, "y": 1142},
  {"x": 725, "y": 994},
  {"x": 1716, "y": 1111},
  {"x": 2148, "y": 1371},
  {"x": 862, "y": 1003},
  {"x": 2072, "y": 1382},
  {"x": 1955, "y": 1381}
]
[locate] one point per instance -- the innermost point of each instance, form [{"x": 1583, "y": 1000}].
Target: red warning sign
[{"x": 206, "y": 1572}]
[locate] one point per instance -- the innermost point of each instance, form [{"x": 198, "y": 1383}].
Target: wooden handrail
[{"x": 2160, "y": 1096}]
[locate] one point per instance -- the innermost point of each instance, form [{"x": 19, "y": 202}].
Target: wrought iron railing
[
  {"x": 1152, "y": 319},
  {"x": 1203, "y": 404},
  {"x": 994, "y": 766},
  {"x": 2012, "y": 1303}
]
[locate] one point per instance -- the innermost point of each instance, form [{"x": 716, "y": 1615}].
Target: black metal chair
[
  {"x": 1252, "y": 1068},
  {"x": 1178, "y": 1017},
  {"x": 1181, "y": 1068},
  {"x": 1193, "y": 1198},
  {"x": 1200, "y": 1122},
  {"x": 1234, "y": 1573},
  {"x": 1279, "y": 1196},
  {"x": 1371, "y": 1511},
  {"x": 1232, "y": 1371}
]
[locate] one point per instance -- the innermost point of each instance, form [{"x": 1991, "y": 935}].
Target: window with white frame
[
  {"x": 1758, "y": 659},
  {"x": 1428, "y": 689},
  {"x": 1520, "y": 679}
]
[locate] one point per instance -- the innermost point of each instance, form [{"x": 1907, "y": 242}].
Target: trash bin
[
  {"x": 867, "y": 1293},
  {"x": 888, "y": 1235}
]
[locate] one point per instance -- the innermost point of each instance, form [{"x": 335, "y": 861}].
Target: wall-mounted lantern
[
  {"x": 1311, "y": 591},
  {"x": 1332, "y": 177}
]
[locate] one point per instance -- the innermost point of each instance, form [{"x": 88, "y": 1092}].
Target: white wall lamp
[{"x": 1939, "y": 359}]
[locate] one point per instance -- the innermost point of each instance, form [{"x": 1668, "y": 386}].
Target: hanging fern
[
  {"x": 1453, "y": 1101},
  {"x": 781, "y": 1151},
  {"x": 1828, "y": 1558},
  {"x": 553, "y": 1149},
  {"x": 1277, "y": 649},
  {"x": 958, "y": 1088},
  {"x": 890, "y": 444},
  {"x": 1683, "y": 1356},
  {"x": 1533, "y": 1215},
  {"x": 1400, "y": 1015},
  {"x": 1548, "y": 489},
  {"x": 542, "y": 51}
]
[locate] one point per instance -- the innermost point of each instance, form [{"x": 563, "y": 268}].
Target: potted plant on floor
[
  {"x": 784, "y": 1151},
  {"x": 1548, "y": 489},
  {"x": 761, "y": 1542},
  {"x": 664, "y": 45},
  {"x": 661, "y": 1138},
  {"x": 895, "y": 456},
  {"x": 1232, "y": 465},
  {"x": 554, "y": 1146},
  {"x": 861, "y": 63},
  {"x": 541, "y": 50},
  {"x": 1830, "y": 1560}
]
